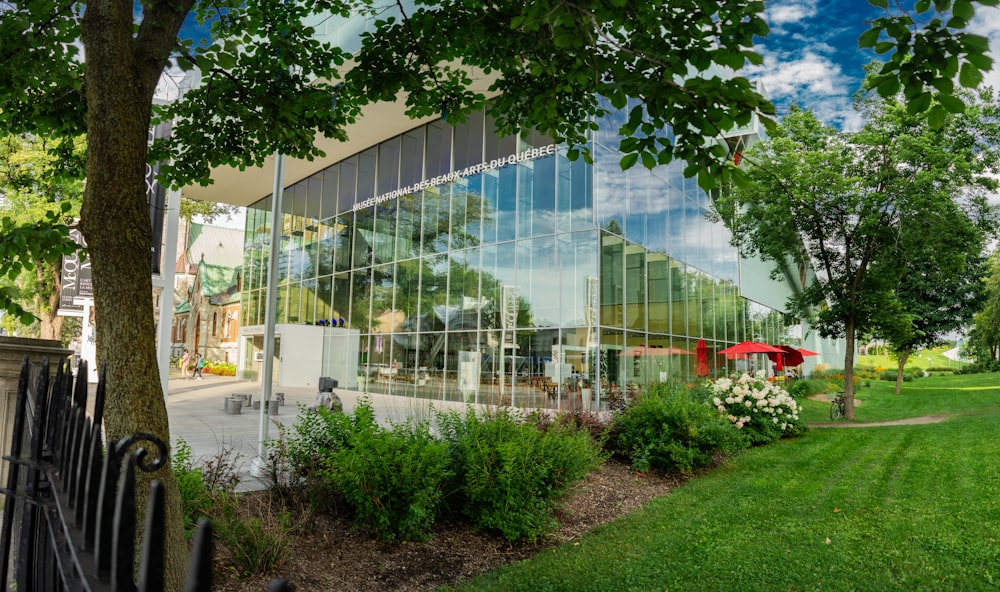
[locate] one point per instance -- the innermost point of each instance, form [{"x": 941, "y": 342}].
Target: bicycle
[{"x": 837, "y": 408}]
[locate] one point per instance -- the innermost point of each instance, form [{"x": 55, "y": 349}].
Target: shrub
[
  {"x": 195, "y": 499},
  {"x": 509, "y": 474},
  {"x": 890, "y": 375},
  {"x": 799, "y": 390},
  {"x": 761, "y": 409},
  {"x": 203, "y": 488},
  {"x": 220, "y": 368},
  {"x": 316, "y": 436},
  {"x": 256, "y": 529},
  {"x": 670, "y": 429},
  {"x": 392, "y": 478},
  {"x": 596, "y": 424},
  {"x": 277, "y": 473}
]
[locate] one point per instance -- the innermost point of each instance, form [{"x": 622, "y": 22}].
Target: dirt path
[
  {"x": 898, "y": 422},
  {"x": 874, "y": 424}
]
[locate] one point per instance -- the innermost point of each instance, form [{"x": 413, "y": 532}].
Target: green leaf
[
  {"x": 884, "y": 47},
  {"x": 648, "y": 160},
  {"x": 974, "y": 44},
  {"x": 922, "y": 6},
  {"x": 869, "y": 38},
  {"x": 951, "y": 103},
  {"x": 964, "y": 10},
  {"x": 970, "y": 76},
  {"x": 888, "y": 86},
  {"x": 981, "y": 61},
  {"x": 936, "y": 117},
  {"x": 919, "y": 103},
  {"x": 629, "y": 160},
  {"x": 879, "y": 3}
]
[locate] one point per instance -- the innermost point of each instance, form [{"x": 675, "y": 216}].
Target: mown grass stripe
[{"x": 887, "y": 508}]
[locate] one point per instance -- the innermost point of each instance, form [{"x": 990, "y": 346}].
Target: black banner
[
  {"x": 156, "y": 196},
  {"x": 75, "y": 277}
]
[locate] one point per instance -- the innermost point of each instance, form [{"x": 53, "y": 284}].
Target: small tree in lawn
[
  {"x": 984, "y": 339},
  {"x": 940, "y": 290},
  {"x": 859, "y": 208}
]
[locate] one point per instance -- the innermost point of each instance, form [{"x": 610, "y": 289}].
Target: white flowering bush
[{"x": 762, "y": 410}]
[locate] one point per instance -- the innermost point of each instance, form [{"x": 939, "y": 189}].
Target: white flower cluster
[{"x": 754, "y": 395}]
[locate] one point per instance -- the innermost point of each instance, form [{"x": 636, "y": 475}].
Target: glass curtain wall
[{"x": 496, "y": 270}]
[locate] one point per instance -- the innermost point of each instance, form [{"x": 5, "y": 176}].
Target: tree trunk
[
  {"x": 901, "y": 363},
  {"x": 49, "y": 278},
  {"x": 849, "y": 369},
  {"x": 121, "y": 79}
]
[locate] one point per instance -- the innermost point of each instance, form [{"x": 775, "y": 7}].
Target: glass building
[{"x": 446, "y": 262}]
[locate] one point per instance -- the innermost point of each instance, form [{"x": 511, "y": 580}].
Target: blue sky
[{"x": 811, "y": 56}]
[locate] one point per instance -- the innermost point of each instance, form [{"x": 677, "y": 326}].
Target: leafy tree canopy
[
  {"x": 865, "y": 209},
  {"x": 41, "y": 186},
  {"x": 985, "y": 337}
]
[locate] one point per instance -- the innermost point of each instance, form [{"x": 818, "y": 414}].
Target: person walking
[
  {"x": 199, "y": 363},
  {"x": 185, "y": 360}
]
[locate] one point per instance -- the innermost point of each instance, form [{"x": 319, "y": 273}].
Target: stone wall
[{"x": 12, "y": 352}]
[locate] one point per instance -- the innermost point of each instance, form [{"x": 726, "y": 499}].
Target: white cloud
[
  {"x": 987, "y": 24},
  {"x": 812, "y": 80},
  {"x": 809, "y": 73},
  {"x": 786, "y": 12}
]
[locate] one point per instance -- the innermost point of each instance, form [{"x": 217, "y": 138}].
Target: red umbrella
[
  {"x": 751, "y": 347},
  {"x": 702, "y": 351},
  {"x": 806, "y": 352},
  {"x": 789, "y": 357}
]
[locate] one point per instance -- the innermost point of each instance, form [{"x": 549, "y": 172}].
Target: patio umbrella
[
  {"x": 790, "y": 357},
  {"x": 751, "y": 347},
  {"x": 702, "y": 351},
  {"x": 806, "y": 352}
]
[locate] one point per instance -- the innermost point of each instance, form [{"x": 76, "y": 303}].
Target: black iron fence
[{"x": 69, "y": 517}]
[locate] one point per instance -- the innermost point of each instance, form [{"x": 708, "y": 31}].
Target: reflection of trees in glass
[
  {"x": 348, "y": 241},
  {"x": 613, "y": 226}
]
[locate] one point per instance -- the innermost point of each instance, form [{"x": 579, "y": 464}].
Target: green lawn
[
  {"x": 935, "y": 395},
  {"x": 923, "y": 359},
  {"x": 905, "y": 508}
]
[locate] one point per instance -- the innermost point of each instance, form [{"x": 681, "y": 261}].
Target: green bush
[
  {"x": 508, "y": 474},
  {"x": 256, "y": 529},
  {"x": 195, "y": 499},
  {"x": 220, "y": 368},
  {"x": 671, "y": 429},
  {"x": 315, "y": 437},
  {"x": 799, "y": 390},
  {"x": 392, "y": 478}
]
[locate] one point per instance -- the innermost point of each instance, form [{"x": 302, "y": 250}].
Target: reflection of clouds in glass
[
  {"x": 610, "y": 185},
  {"x": 701, "y": 243}
]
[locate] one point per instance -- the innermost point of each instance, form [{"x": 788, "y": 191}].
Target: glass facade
[{"x": 496, "y": 270}]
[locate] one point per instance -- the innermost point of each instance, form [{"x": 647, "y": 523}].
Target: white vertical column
[
  {"x": 166, "y": 284},
  {"x": 267, "y": 371}
]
